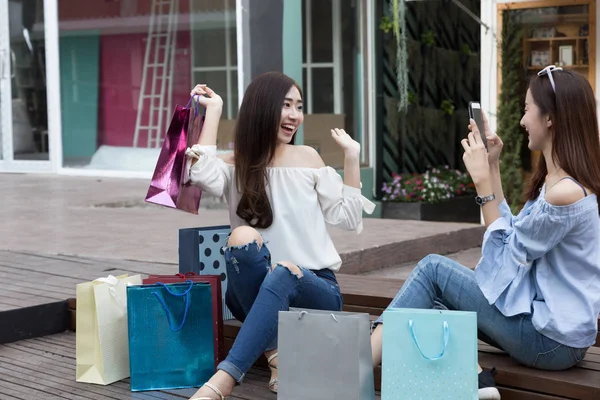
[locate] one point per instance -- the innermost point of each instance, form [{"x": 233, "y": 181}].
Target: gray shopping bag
[{"x": 324, "y": 355}]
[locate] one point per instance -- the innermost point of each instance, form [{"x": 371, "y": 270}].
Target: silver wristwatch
[{"x": 482, "y": 200}]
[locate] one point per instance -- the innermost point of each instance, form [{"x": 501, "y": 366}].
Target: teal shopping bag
[
  {"x": 170, "y": 335},
  {"x": 429, "y": 355}
]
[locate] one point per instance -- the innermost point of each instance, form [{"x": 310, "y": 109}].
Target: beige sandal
[
  {"x": 273, "y": 383},
  {"x": 214, "y": 389}
]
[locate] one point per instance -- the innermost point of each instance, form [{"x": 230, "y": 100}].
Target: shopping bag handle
[
  {"x": 197, "y": 105},
  {"x": 186, "y": 293},
  {"x": 414, "y": 337},
  {"x": 112, "y": 282}
]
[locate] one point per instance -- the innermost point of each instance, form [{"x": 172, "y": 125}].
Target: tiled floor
[{"x": 60, "y": 215}]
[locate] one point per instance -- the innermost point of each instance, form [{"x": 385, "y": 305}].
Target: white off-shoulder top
[{"x": 304, "y": 202}]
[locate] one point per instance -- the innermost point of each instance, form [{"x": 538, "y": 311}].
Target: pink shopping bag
[{"x": 167, "y": 187}]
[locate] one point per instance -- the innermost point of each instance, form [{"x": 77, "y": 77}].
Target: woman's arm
[
  {"x": 351, "y": 150},
  {"x": 203, "y": 168},
  {"x": 213, "y": 103},
  {"x": 496, "y": 181}
]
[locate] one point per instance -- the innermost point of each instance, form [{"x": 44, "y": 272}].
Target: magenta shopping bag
[{"x": 167, "y": 187}]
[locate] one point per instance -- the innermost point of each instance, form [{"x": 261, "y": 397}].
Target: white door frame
[{"x": 7, "y": 163}]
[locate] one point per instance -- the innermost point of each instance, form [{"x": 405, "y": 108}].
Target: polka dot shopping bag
[{"x": 201, "y": 250}]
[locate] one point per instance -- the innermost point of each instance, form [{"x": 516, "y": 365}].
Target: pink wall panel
[{"x": 122, "y": 59}]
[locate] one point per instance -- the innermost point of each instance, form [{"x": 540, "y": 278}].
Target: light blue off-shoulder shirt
[{"x": 546, "y": 261}]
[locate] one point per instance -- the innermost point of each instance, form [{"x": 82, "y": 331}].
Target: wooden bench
[{"x": 373, "y": 295}]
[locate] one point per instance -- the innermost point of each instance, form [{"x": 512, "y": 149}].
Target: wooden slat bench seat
[{"x": 373, "y": 295}]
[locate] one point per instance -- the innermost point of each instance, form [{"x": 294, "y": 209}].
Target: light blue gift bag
[
  {"x": 429, "y": 355},
  {"x": 170, "y": 335}
]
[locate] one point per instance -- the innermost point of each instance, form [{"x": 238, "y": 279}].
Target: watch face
[{"x": 478, "y": 200}]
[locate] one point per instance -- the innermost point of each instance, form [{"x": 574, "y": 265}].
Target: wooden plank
[
  {"x": 540, "y": 4},
  {"x": 60, "y": 374},
  {"x": 367, "y": 291},
  {"x": 40, "y": 320},
  {"x": 573, "y": 383},
  {"x": 44, "y": 368},
  {"x": 517, "y": 394}
]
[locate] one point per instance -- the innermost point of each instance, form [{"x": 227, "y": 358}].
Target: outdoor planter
[{"x": 458, "y": 209}]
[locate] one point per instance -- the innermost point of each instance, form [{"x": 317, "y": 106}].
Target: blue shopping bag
[
  {"x": 170, "y": 335},
  {"x": 429, "y": 354},
  {"x": 202, "y": 251}
]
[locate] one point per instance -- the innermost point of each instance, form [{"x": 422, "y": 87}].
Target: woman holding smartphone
[{"x": 536, "y": 288}]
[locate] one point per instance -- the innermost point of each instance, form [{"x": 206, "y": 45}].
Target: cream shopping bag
[{"x": 101, "y": 340}]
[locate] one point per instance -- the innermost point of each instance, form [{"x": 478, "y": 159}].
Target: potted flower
[{"x": 439, "y": 194}]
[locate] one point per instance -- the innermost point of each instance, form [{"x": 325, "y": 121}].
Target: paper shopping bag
[
  {"x": 167, "y": 187},
  {"x": 324, "y": 355},
  {"x": 101, "y": 339},
  {"x": 170, "y": 335},
  {"x": 202, "y": 251},
  {"x": 429, "y": 354},
  {"x": 217, "y": 309}
]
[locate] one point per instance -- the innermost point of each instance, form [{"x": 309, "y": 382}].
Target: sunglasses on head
[{"x": 548, "y": 71}]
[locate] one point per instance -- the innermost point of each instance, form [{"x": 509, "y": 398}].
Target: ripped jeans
[{"x": 257, "y": 291}]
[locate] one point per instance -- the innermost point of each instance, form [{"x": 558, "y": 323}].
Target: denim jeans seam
[
  {"x": 541, "y": 355},
  {"x": 417, "y": 275},
  {"x": 575, "y": 357}
]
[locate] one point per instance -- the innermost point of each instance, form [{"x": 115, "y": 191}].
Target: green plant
[
  {"x": 413, "y": 99},
  {"x": 386, "y": 25},
  {"x": 509, "y": 113},
  {"x": 447, "y": 107},
  {"x": 398, "y": 11},
  {"x": 434, "y": 186},
  {"x": 465, "y": 49},
  {"x": 428, "y": 38}
]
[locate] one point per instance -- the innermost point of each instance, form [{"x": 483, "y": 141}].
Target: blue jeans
[
  {"x": 256, "y": 292},
  {"x": 439, "y": 280}
]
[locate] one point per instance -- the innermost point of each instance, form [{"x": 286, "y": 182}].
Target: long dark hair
[
  {"x": 575, "y": 138},
  {"x": 256, "y": 131}
]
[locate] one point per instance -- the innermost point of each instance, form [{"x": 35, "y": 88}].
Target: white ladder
[{"x": 160, "y": 46}]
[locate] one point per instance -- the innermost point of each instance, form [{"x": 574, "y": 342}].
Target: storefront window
[
  {"x": 25, "y": 72},
  {"x": 332, "y": 77},
  {"x": 124, "y": 65}
]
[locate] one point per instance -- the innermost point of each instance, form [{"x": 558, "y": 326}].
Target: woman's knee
[
  {"x": 430, "y": 262},
  {"x": 243, "y": 235},
  {"x": 289, "y": 266}
]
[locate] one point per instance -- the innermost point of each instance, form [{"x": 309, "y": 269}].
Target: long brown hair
[
  {"x": 575, "y": 138},
  {"x": 256, "y": 131}
]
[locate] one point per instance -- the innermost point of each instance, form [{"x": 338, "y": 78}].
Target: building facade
[{"x": 88, "y": 88}]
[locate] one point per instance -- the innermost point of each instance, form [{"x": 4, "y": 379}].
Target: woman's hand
[
  {"x": 475, "y": 156},
  {"x": 494, "y": 143},
  {"x": 350, "y": 146},
  {"x": 207, "y": 97}
]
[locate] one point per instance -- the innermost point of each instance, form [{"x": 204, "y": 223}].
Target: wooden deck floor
[
  {"x": 28, "y": 279},
  {"x": 44, "y": 368}
]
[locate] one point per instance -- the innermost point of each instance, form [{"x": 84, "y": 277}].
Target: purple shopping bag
[{"x": 167, "y": 187}]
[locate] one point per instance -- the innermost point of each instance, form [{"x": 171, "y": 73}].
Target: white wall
[{"x": 489, "y": 57}]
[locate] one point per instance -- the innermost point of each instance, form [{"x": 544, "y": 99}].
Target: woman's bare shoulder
[{"x": 308, "y": 157}]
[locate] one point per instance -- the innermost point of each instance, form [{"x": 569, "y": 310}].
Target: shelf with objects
[{"x": 549, "y": 32}]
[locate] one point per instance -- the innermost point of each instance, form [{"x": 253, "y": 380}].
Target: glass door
[{"x": 23, "y": 106}]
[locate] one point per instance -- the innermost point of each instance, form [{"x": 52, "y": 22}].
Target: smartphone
[{"x": 475, "y": 113}]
